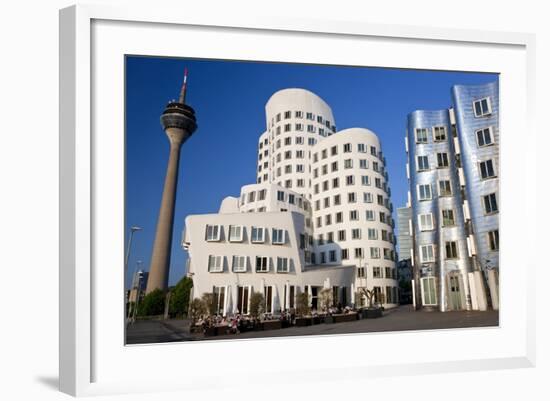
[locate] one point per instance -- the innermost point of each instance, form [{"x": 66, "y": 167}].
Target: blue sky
[{"x": 229, "y": 99}]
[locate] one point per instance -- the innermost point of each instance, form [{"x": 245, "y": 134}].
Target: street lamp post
[{"x": 132, "y": 230}]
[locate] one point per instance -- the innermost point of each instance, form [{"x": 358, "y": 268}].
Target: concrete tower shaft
[{"x": 179, "y": 122}]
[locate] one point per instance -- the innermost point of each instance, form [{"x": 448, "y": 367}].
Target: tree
[
  {"x": 210, "y": 303},
  {"x": 179, "y": 300},
  {"x": 369, "y": 294},
  {"x": 152, "y": 304},
  {"x": 325, "y": 299},
  {"x": 257, "y": 305},
  {"x": 197, "y": 309},
  {"x": 302, "y": 304}
]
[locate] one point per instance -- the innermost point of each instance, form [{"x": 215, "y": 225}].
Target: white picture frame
[{"x": 86, "y": 365}]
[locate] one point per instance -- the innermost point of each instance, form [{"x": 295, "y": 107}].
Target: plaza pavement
[{"x": 398, "y": 319}]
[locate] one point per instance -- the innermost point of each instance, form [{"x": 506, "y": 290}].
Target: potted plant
[
  {"x": 371, "y": 311},
  {"x": 325, "y": 301}
]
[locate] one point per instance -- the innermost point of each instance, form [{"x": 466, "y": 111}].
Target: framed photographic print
[{"x": 247, "y": 186}]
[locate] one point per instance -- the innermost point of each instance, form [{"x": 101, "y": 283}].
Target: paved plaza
[{"x": 399, "y": 319}]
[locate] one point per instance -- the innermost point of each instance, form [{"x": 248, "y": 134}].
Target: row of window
[
  {"x": 300, "y": 114},
  {"x": 426, "y": 220},
  {"x": 353, "y": 216},
  {"x": 237, "y": 234},
  {"x": 427, "y": 252},
  {"x": 349, "y": 180},
  {"x": 341, "y": 235},
  {"x": 239, "y": 264},
  {"x": 486, "y": 168},
  {"x": 484, "y": 136},
  {"x": 352, "y": 198},
  {"x": 331, "y": 256},
  {"x": 322, "y": 130},
  {"x": 347, "y": 148},
  {"x": 348, "y": 164},
  {"x": 292, "y": 199}
]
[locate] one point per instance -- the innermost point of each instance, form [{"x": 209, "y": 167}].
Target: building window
[
  {"x": 445, "y": 188},
  {"x": 349, "y": 180},
  {"x": 310, "y": 128},
  {"x": 426, "y": 222},
  {"x": 365, "y": 180},
  {"x": 299, "y": 140},
  {"x": 345, "y": 254},
  {"x": 375, "y": 253},
  {"x": 299, "y": 127},
  {"x": 347, "y": 148},
  {"x": 280, "y": 196},
  {"x": 261, "y": 194},
  {"x": 485, "y": 137},
  {"x": 351, "y": 197},
  {"x": 341, "y": 235},
  {"x": 235, "y": 233},
  {"x": 258, "y": 234},
  {"x": 334, "y": 166},
  {"x": 439, "y": 134},
  {"x": 336, "y": 200},
  {"x": 422, "y": 163},
  {"x": 493, "y": 240},
  {"x": 372, "y": 233},
  {"x": 363, "y": 163},
  {"x": 213, "y": 233},
  {"x": 428, "y": 291},
  {"x": 424, "y": 192},
  {"x": 388, "y": 273},
  {"x": 339, "y": 217},
  {"x": 300, "y": 182},
  {"x": 282, "y": 265},
  {"x": 239, "y": 264},
  {"x": 335, "y": 182},
  {"x": 287, "y": 128},
  {"x": 421, "y": 135},
  {"x": 353, "y": 215},
  {"x": 486, "y": 169},
  {"x": 332, "y": 256},
  {"x": 427, "y": 253},
  {"x": 361, "y": 148},
  {"x": 219, "y": 299},
  {"x": 291, "y": 199},
  {"x": 367, "y": 197},
  {"x": 288, "y": 114},
  {"x": 262, "y": 264},
  {"x": 215, "y": 264},
  {"x": 323, "y": 257},
  {"x": 348, "y": 163},
  {"x": 277, "y": 236},
  {"x": 370, "y": 215},
  {"x": 376, "y": 272},
  {"x": 448, "y": 217},
  {"x": 298, "y": 114},
  {"x": 490, "y": 203},
  {"x": 358, "y": 252},
  {"x": 356, "y": 233},
  {"x": 360, "y": 272},
  {"x": 442, "y": 160},
  {"x": 482, "y": 107},
  {"x": 451, "y": 250},
  {"x": 328, "y": 220},
  {"x": 309, "y": 116}
]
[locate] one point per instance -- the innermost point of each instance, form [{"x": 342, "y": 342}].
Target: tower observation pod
[{"x": 179, "y": 122}]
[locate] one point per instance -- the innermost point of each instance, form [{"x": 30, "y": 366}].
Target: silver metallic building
[{"x": 453, "y": 176}]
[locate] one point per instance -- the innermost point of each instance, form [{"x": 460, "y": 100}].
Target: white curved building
[{"x": 318, "y": 217}]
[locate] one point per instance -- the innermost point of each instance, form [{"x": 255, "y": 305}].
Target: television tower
[{"x": 179, "y": 122}]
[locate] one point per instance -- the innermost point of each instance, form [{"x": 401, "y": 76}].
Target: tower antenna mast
[{"x": 183, "y": 87}]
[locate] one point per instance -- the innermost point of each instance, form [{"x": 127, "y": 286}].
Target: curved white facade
[
  {"x": 328, "y": 193},
  {"x": 296, "y": 119}
]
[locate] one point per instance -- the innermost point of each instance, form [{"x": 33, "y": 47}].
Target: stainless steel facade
[
  {"x": 453, "y": 166},
  {"x": 444, "y": 232},
  {"x": 477, "y": 187}
]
